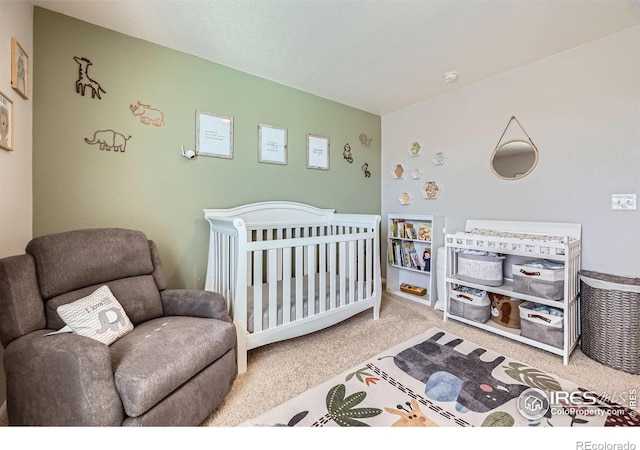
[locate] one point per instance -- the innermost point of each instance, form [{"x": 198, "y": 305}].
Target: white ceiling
[{"x": 375, "y": 55}]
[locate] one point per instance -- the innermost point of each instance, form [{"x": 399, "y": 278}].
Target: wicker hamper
[{"x": 610, "y": 320}]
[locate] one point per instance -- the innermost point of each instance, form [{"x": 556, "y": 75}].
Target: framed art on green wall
[
  {"x": 317, "y": 152},
  {"x": 272, "y": 144},
  {"x": 214, "y": 135}
]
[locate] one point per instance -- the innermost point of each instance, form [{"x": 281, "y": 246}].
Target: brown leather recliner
[{"x": 174, "y": 368}]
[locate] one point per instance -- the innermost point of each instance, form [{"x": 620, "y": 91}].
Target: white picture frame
[
  {"x": 317, "y": 152},
  {"x": 272, "y": 144},
  {"x": 6, "y": 122},
  {"x": 214, "y": 135}
]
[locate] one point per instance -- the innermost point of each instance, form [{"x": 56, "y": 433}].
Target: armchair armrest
[
  {"x": 58, "y": 380},
  {"x": 195, "y": 303}
]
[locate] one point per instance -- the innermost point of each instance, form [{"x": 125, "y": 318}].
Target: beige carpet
[{"x": 278, "y": 372}]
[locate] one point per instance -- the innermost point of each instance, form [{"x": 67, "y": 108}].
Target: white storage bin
[
  {"x": 469, "y": 303},
  {"x": 541, "y": 326},
  {"x": 481, "y": 269},
  {"x": 539, "y": 282}
]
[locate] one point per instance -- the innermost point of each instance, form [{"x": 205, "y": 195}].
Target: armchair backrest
[{"x": 60, "y": 268}]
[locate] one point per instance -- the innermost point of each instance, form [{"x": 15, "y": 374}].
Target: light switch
[{"x": 623, "y": 202}]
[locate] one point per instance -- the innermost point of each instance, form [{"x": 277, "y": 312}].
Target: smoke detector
[{"x": 450, "y": 77}]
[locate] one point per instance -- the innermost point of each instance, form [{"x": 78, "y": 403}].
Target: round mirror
[{"x": 514, "y": 159}]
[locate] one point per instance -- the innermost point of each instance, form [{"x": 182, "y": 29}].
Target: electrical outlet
[{"x": 623, "y": 202}]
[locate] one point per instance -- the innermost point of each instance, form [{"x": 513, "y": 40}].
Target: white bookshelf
[{"x": 403, "y": 271}]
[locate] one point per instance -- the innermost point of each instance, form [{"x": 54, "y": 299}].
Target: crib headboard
[{"x": 274, "y": 213}]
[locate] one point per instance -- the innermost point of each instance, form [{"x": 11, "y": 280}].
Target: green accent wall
[{"x": 150, "y": 187}]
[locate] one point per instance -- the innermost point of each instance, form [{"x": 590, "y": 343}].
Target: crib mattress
[{"x": 305, "y": 301}]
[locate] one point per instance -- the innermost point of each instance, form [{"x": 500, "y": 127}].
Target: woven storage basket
[{"x": 609, "y": 320}]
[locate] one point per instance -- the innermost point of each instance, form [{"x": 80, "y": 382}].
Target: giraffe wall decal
[{"x": 85, "y": 81}]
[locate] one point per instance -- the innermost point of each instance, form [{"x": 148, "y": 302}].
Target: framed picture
[
  {"x": 317, "y": 152},
  {"x": 214, "y": 135},
  {"x": 272, "y": 144},
  {"x": 19, "y": 69},
  {"x": 6, "y": 122}
]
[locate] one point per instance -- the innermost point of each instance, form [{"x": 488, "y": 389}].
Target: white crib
[{"x": 302, "y": 267}]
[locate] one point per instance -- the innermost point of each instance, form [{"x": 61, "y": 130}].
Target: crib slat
[
  {"x": 279, "y": 263},
  {"x": 342, "y": 268},
  {"x": 299, "y": 276},
  {"x": 360, "y": 279},
  {"x": 369, "y": 268},
  {"x": 333, "y": 271},
  {"x": 273, "y": 288},
  {"x": 286, "y": 285},
  {"x": 352, "y": 271},
  {"x": 257, "y": 291},
  {"x": 311, "y": 280},
  {"x": 322, "y": 278}
]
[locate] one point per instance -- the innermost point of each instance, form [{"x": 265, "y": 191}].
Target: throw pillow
[{"x": 99, "y": 316}]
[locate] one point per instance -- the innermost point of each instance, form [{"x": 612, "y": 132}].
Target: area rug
[{"x": 437, "y": 379}]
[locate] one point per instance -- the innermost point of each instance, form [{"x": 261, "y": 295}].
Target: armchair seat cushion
[{"x": 144, "y": 375}]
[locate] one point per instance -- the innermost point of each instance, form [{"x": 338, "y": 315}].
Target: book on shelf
[
  {"x": 410, "y": 256},
  {"x": 400, "y": 228},
  {"x": 410, "y": 231},
  {"x": 397, "y": 251},
  {"x": 424, "y": 232}
]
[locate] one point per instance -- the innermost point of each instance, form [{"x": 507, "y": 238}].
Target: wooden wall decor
[
  {"x": 365, "y": 169},
  {"x": 365, "y": 141},
  {"x": 19, "y": 69},
  {"x": 147, "y": 114},
  {"x": 346, "y": 153},
  {"x": 85, "y": 81},
  {"x": 415, "y": 149},
  {"x": 109, "y": 140}
]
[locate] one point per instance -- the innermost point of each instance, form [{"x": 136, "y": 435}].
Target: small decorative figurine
[
  {"x": 347, "y": 153},
  {"x": 365, "y": 141},
  {"x": 365, "y": 169}
]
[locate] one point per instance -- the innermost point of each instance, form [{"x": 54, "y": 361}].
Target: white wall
[
  {"x": 16, "y": 212},
  {"x": 581, "y": 108}
]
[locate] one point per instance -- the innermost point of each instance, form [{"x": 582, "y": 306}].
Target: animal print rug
[{"x": 437, "y": 379}]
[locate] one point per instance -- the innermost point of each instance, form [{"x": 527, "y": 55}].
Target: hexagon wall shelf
[
  {"x": 430, "y": 190},
  {"x": 416, "y": 174},
  {"x": 397, "y": 171},
  {"x": 439, "y": 159},
  {"x": 415, "y": 149},
  {"x": 405, "y": 198}
]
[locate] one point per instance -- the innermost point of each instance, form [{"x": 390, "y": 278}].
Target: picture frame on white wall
[
  {"x": 317, "y": 152},
  {"x": 6, "y": 122},
  {"x": 19, "y": 69},
  {"x": 272, "y": 144}
]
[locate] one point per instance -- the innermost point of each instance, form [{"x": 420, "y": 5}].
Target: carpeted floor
[{"x": 278, "y": 372}]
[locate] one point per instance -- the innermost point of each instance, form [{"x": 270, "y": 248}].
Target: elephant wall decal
[{"x": 109, "y": 140}]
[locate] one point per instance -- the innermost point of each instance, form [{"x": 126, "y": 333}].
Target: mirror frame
[{"x": 521, "y": 175}]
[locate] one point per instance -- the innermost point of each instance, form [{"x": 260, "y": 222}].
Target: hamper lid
[{"x": 600, "y": 280}]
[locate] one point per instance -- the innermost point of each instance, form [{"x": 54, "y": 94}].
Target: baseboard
[{"x": 4, "y": 419}]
